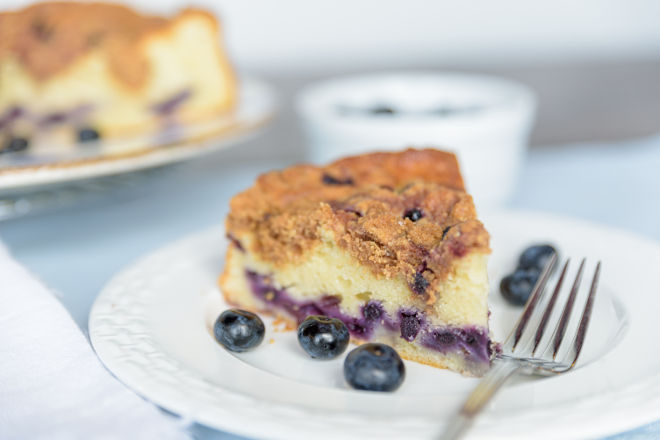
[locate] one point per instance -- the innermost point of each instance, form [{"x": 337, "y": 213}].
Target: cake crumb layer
[{"x": 403, "y": 215}]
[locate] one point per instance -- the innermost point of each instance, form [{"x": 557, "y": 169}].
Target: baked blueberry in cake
[
  {"x": 101, "y": 70},
  {"x": 389, "y": 243}
]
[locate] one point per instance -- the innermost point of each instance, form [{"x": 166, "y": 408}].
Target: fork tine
[
  {"x": 549, "y": 308},
  {"x": 578, "y": 340},
  {"x": 509, "y": 363},
  {"x": 534, "y": 298},
  {"x": 566, "y": 313}
]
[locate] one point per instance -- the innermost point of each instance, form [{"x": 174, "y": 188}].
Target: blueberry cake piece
[
  {"x": 387, "y": 242},
  {"x": 95, "y": 70}
]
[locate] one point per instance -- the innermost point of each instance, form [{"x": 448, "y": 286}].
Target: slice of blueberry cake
[
  {"x": 387, "y": 242},
  {"x": 81, "y": 70}
]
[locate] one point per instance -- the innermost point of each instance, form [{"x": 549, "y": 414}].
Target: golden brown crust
[
  {"x": 394, "y": 169},
  {"x": 46, "y": 38},
  {"x": 366, "y": 201}
]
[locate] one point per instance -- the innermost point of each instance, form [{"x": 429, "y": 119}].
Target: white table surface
[{"x": 76, "y": 250}]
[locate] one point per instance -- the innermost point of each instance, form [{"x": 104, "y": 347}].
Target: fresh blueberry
[
  {"x": 372, "y": 311},
  {"x": 374, "y": 367},
  {"x": 420, "y": 284},
  {"x": 322, "y": 337},
  {"x": 411, "y": 324},
  {"x": 87, "y": 134},
  {"x": 536, "y": 257},
  {"x": 413, "y": 214},
  {"x": 517, "y": 287},
  {"x": 239, "y": 330},
  {"x": 15, "y": 144}
]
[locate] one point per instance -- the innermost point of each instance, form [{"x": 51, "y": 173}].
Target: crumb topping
[
  {"x": 45, "y": 38},
  {"x": 401, "y": 214}
]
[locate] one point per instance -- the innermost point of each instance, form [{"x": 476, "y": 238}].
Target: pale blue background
[{"x": 76, "y": 250}]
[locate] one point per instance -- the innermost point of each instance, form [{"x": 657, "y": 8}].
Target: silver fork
[{"x": 519, "y": 350}]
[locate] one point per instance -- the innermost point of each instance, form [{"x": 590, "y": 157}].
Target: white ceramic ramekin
[{"x": 485, "y": 120}]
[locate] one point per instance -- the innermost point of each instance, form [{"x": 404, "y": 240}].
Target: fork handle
[{"x": 501, "y": 370}]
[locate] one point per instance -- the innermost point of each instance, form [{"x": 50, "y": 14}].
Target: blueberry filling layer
[
  {"x": 411, "y": 324},
  {"x": 79, "y": 114},
  {"x": 75, "y": 115},
  {"x": 171, "y": 105},
  {"x": 10, "y": 116},
  {"x": 473, "y": 341},
  {"x": 262, "y": 287}
]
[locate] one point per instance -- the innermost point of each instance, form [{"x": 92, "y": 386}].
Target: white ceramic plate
[
  {"x": 151, "y": 327},
  {"x": 255, "y": 108}
]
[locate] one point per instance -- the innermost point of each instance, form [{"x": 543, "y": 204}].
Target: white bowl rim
[{"x": 321, "y": 98}]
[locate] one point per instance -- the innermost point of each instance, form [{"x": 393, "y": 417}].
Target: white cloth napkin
[{"x": 52, "y": 385}]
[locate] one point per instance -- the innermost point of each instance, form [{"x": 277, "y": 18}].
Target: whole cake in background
[
  {"x": 387, "y": 242},
  {"x": 86, "y": 70}
]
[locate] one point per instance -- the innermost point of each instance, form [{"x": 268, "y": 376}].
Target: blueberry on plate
[
  {"x": 536, "y": 257},
  {"x": 374, "y": 367},
  {"x": 517, "y": 287},
  {"x": 323, "y": 337},
  {"x": 239, "y": 330}
]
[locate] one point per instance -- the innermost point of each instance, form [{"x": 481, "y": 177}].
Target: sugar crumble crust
[
  {"x": 65, "y": 66},
  {"x": 48, "y": 37},
  {"x": 363, "y": 200}
]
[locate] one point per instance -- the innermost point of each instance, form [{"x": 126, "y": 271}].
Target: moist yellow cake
[
  {"x": 387, "y": 242},
  {"x": 109, "y": 70}
]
